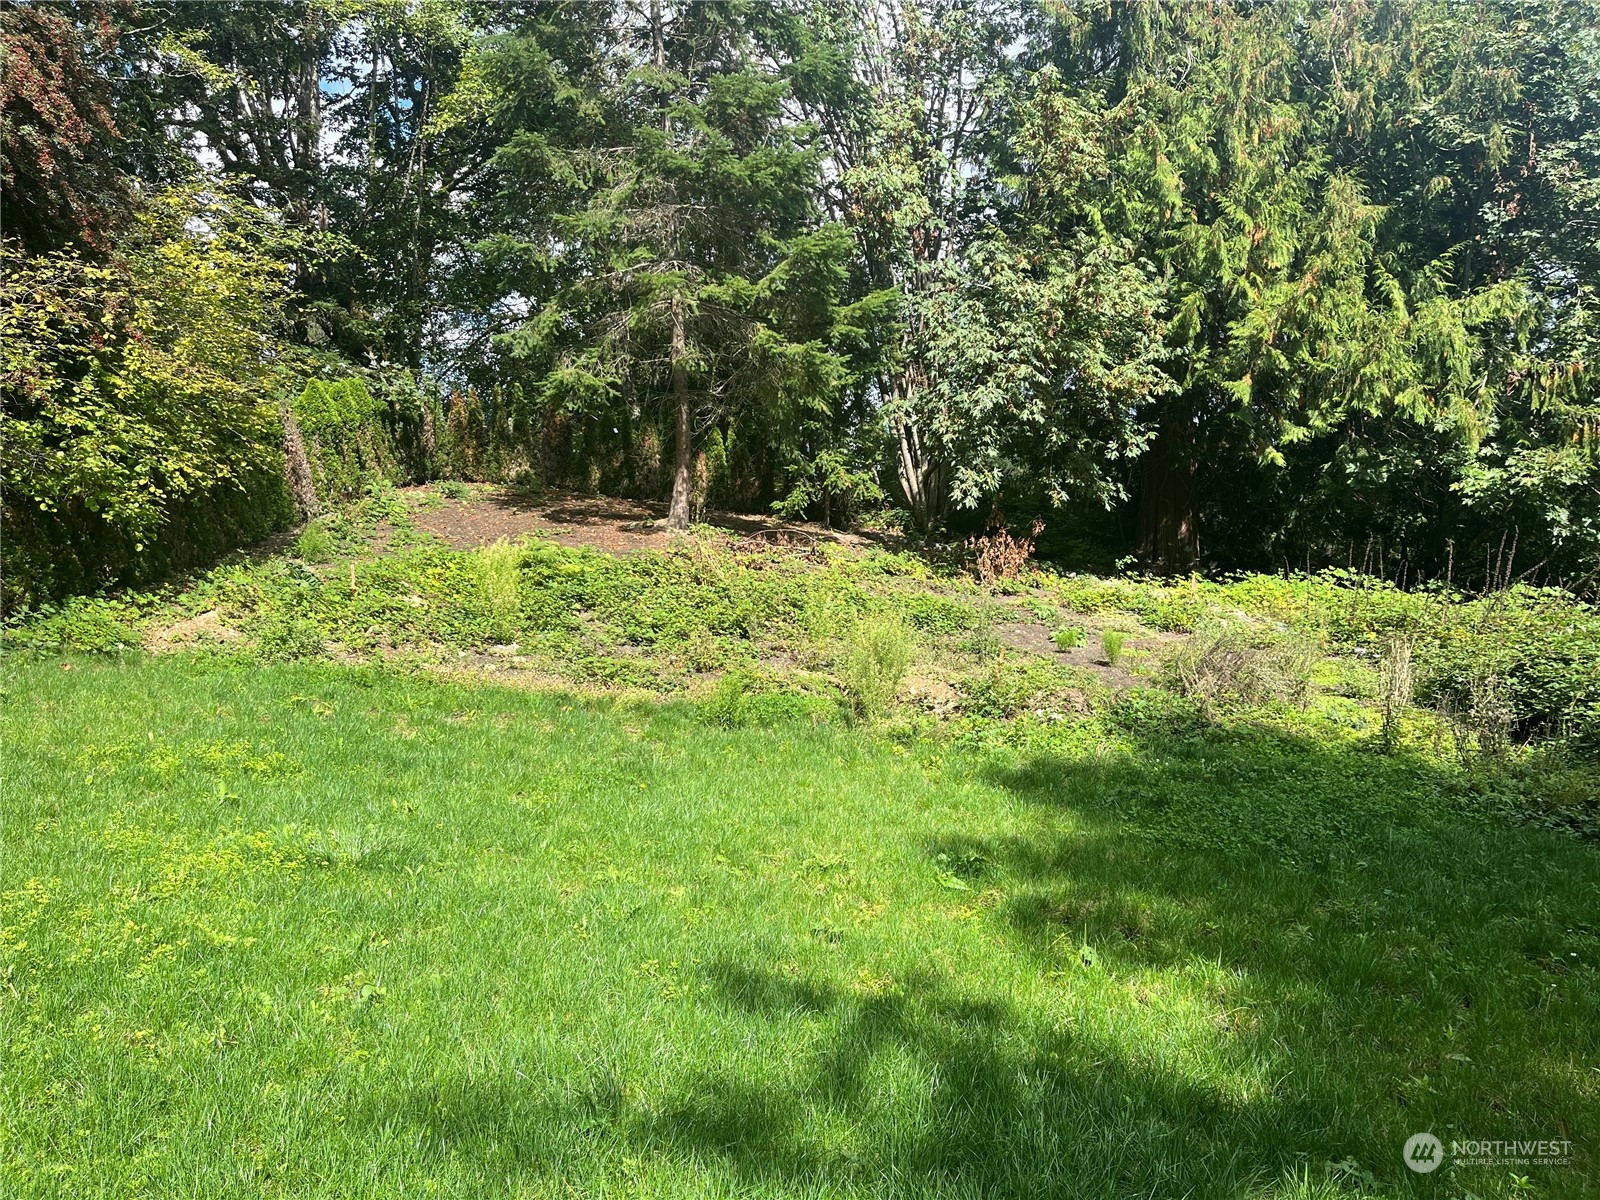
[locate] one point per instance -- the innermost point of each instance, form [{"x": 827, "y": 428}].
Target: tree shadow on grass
[
  {"x": 1226, "y": 963},
  {"x": 1403, "y": 962},
  {"x": 1252, "y": 956}
]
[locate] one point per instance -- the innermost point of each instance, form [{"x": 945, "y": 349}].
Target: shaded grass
[{"x": 312, "y": 930}]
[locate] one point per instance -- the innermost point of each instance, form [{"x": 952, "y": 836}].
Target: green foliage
[
  {"x": 283, "y": 635},
  {"x": 1007, "y": 689},
  {"x": 498, "y": 568},
  {"x": 871, "y": 664},
  {"x": 86, "y": 624},
  {"x": 940, "y": 614},
  {"x": 349, "y": 438},
  {"x": 1111, "y": 641},
  {"x": 1068, "y": 637},
  {"x": 140, "y": 432},
  {"x": 315, "y": 543},
  {"x": 1229, "y": 661},
  {"x": 1539, "y": 645},
  {"x": 743, "y": 700}
]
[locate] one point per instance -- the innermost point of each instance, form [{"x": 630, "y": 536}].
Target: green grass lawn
[{"x": 322, "y": 931}]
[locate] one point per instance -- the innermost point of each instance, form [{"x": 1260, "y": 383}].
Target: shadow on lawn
[{"x": 1257, "y": 959}]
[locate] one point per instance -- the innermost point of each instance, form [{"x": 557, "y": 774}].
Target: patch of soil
[
  {"x": 1146, "y": 645},
  {"x": 195, "y": 631},
  {"x": 616, "y": 526},
  {"x": 935, "y": 695}
]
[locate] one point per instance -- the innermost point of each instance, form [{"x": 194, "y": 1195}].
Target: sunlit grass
[{"x": 318, "y": 931}]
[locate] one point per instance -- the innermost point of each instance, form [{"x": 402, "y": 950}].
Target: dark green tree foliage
[
  {"x": 1224, "y": 284},
  {"x": 1347, "y": 347},
  {"x": 910, "y": 103},
  {"x": 690, "y": 276}
]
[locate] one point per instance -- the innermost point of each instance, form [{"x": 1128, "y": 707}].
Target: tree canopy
[{"x": 1219, "y": 285}]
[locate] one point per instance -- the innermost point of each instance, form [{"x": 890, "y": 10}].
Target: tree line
[{"x": 1209, "y": 285}]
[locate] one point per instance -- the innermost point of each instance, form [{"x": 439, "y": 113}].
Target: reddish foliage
[
  {"x": 59, "y": 182},
  {"x": 1000, "y": 554}
]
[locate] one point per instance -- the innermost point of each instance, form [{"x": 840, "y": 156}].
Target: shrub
[
  {"x": 348, "y": 441},
  {"x": 139, "y": 436},
  {"x": 1228, "y": 660},
  {"x": 499, "y": 569},
  {"x": 1000, "y": 555},
  {"x": 726, "y": 704},
  {"x": 96, "y": 624},
  {"x": 1111, "y": 642},
  {"x": 1006, "y": 689},
  {"x": 454, "y": 489},
  {"x": 872, "y": 664},
  {"x": 1068, "y": 637}
]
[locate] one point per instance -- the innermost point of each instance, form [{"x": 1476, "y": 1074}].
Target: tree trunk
[
  {"x": 678, "y": 513},
  {"x": 921, "y": 474},
  {"x": 1169, "y": 534}
]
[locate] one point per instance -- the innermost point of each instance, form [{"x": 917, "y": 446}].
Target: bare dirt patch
[
  {"x": 1142, "y": 651},
  {"x": 195, "y": 631},
  {"x": 607, "y": 523}
]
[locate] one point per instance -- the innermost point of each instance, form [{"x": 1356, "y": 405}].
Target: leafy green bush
[
  {"x": 346, "y": 439},
  {"x": 287, "y": 635},
  {"x": 726, "y": 704},
  {"x": 940, "y": 615},
  {"x": 92, "y": 624},
  {"x": 872, "y": 663},
  {"x": 1008, "y": 688},
  {"x": 140, "y": 432}
]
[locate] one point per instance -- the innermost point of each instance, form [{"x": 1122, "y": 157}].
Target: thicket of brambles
[{"x": 1217, "y": 286}]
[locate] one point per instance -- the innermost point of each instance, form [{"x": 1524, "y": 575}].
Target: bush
[
  {"x": 938, "y": 614},
  {"x": 1006, "y": 689},
  {"x": 347, "y": 440},
  {"x": 283, "y": 635},
  {"x": 139, "y": 436},
  {"x": 1227, "y": 660},
  {"x": 1002, "y": 555},
  {"x": 499, "y": 569},
  {"x": 872, "y": 664},
  {"x": 726, "y": 704},
  {"x": 95, "y": 624}
]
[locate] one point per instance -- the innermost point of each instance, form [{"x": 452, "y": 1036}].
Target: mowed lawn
[{"x": 325, "y": 931}]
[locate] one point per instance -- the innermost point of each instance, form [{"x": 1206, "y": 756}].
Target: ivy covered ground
[{"x": 372, "y": 867}]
